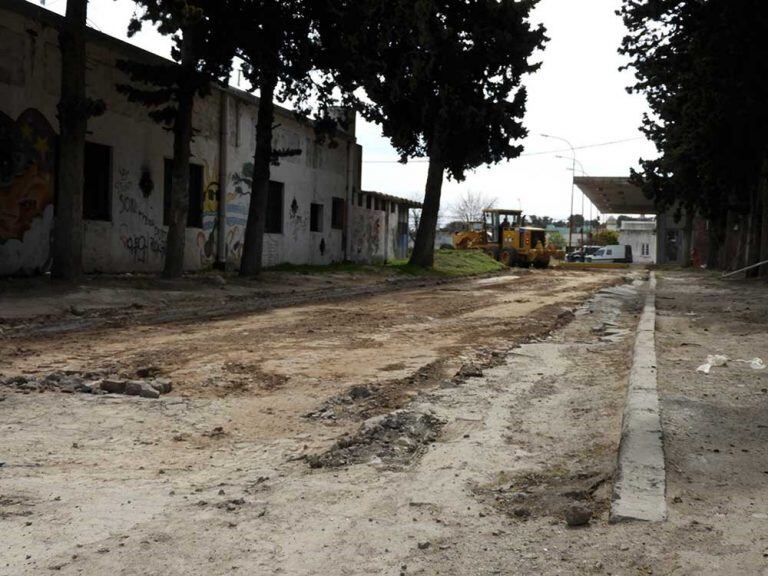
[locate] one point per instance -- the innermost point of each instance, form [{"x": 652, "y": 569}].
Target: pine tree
[
  {"x": 277, "y": 45},
  {"x": 702, "y": 67},
  {"x": 442, "y": 78},
  {"x": 203, "y": 51}
]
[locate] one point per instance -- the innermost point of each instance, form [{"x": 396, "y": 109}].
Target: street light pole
[{"x": 573, "y": 182}]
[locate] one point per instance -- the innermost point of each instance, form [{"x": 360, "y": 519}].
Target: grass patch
[
  {"x": 453, "y": 263},
  {"x": 448, "y": 263}
]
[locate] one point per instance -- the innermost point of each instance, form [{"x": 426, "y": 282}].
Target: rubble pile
[
  {"x": 394, "y": 438},
  {"x": 71, "y": 382},
  {"x": 336, "y": 407}
]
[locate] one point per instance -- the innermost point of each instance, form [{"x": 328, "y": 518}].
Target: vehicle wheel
[
  {"x": 492, "y": 252},
  {"x": 506, "y": 258}
]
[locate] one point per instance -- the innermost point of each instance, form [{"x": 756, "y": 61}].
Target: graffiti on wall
[
  {"x": 206, "y": 239},
  {"x": 26, "y": 172},
  {"x": 297, "y": 222},
  {"x": 237, "y": 211},
  {"x": 141, "y": 245}
]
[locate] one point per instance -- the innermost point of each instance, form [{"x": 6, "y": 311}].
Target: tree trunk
[
  {"x": 725, "y": 255},
  {"x": 424, "y": 247},
  {"x": 714, "y": 242},
  {"x": 73, "y": 117},
  {"x": 182, "y": 139},
  {"x": 253, "y": 243},
  {"x": 763, "y": 271},
  {"x": 688, "y": 239},
  {"x": 755, "y": 221}
]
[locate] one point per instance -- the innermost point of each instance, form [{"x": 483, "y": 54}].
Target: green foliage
[
  {"x": 605, "y": 238},
  {"x": 702, "y": 67},
  {"x": 437, "y": 74},
  {"x": 276, "y": 41},
  {"x": 202, "y": 52},
  {"x": 453, "y": 263},
  {"x": 556, "y": 239}
]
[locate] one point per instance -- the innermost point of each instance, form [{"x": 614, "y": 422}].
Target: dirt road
[{"x": 257, "y": 462}]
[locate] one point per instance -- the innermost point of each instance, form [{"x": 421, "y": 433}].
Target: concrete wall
[
  {"x": 670, "y": 240},
  {"x": 133, "y": 238},
  {"x": 380, "y": 232}
]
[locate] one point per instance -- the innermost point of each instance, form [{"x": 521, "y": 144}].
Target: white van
[{"x": 614, "y": 253}]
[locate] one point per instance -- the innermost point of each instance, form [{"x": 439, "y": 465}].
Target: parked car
[
  {"x": 614, "y": 253},
  {"x": 581, "y": 254}
]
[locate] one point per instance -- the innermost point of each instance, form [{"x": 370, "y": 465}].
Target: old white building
[
  {"x": 642, "y": 237},
  {"x": 315, "y": 214}
]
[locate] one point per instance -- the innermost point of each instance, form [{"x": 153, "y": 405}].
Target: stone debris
[
  {"x": 577, "y": 515},
  {"x": 335, "y": 406},
  {"x": 394, "y": 438},
  {"x": 469, "y": 371},
  {"x": 70, "y": 382}
]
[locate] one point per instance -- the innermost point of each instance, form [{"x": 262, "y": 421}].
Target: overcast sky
[{"x": 578, "y": 94}]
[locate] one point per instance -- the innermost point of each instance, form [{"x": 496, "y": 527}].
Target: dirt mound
[{"x": 392, "y": 439}]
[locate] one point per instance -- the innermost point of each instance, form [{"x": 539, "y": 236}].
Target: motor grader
[{"x": 503, "y": 235}]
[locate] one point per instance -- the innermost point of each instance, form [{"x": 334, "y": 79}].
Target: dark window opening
[
  {"x": 96, "y": 182},
  {"x": 392, "y": 207},
  {"x": 195, "y": 206},
  {"x": 368, "y": 201},
  {"x": 337, "y": 213},
  {"x": 273, "y": 223},
  {"x": 315, "y": 217}
]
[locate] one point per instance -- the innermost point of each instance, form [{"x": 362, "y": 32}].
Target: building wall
[
  {"x": 133, "y": 238},
  {"x": 637, "y": 238},
  {"x": 378, "y": 233},
  {"x": 670, "y": 240}
]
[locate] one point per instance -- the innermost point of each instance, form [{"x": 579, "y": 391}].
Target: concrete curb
[{"x": 639, "y": 488}]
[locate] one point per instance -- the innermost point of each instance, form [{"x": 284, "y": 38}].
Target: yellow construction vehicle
[{"x": 502, "y": 235}]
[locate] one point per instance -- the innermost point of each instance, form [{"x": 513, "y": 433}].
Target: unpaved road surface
[{"x": 435, "y": 430}]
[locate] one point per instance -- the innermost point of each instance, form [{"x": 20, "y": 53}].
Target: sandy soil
[{"x": 216, "y": 478}]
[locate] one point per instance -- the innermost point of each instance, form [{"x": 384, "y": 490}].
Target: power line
[{"x": 542, "y": 153}]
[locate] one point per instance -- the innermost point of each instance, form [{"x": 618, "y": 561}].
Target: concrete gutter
[{"x": 639, "y": 488}]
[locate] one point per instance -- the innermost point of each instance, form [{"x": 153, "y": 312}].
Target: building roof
[
  {"x": 396, "y": 199},
  {"x": 55, "y": 20},
  {"x": 637, "y": 226},
  {"x": 502, "y": 211},
  {"x": 615, "y": 195}
]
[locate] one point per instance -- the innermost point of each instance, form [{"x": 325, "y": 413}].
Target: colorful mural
[{"x": 27, "y": 160}]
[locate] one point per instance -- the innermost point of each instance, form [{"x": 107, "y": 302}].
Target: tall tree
[
  {"x": 702, "y": 67},
  {"x": 74, "y": 110},
  {"x": 203, "y": 52},
  {"x": 277, "y": 45},
  {"x": 442, "y": 77},
  {"x": 469, "y": 206}
]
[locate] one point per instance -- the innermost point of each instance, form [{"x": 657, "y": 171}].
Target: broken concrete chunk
[
  {"x": 148, "y": 391},
  {"x": 113, "y": 386},
  {"x": 577, "y": 515},
  {"x": 470, "y": 371},
  {"x": 162, "y": 385},
  {"x": 133, "y": 387}
]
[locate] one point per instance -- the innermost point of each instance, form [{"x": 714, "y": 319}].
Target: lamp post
[
  {"x": 583, "y": 215},
  {"x": 573, "y": 182}
]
